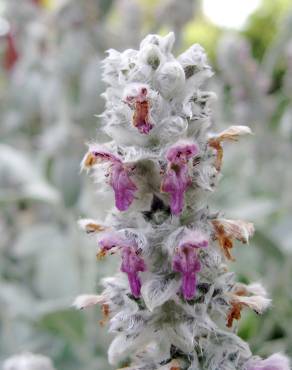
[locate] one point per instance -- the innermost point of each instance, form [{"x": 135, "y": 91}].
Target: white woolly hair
[{"x": 87, "y": 300}]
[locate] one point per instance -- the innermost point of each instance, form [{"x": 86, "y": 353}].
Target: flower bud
[
  {"x": 170, "y": 79},
  {"x": 165, "y": 44},
  {"x": 193, "y": 60},
  {"x": 151, "y": 55}
]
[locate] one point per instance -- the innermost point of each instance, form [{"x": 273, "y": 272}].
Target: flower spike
[{"x": 173, "y": 282}]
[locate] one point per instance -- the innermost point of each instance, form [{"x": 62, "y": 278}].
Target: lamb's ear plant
[{"x": 174, "y": 304}]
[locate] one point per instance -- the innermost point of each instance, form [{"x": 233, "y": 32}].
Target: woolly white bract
[{"x": 163, "y": 160}]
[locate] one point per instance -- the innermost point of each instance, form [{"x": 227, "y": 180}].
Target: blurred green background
[{"x": 50, "y": 86}]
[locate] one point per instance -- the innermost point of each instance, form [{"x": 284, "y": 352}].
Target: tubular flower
[
  {"x": 187, "y": 263},
  {"x": 88, "y": 300},
  {"x": 132, "y": 263},
  {"x": 122, "y": 185},
  {"x": 230, "y": 134},
  {"x": 137, "y": 99},
  {"x": 177, "y": 179},
  {"x": 275, "y": 362},
  {"x": 119, "y": 176},
  {"x": 251, "y": 296},
  {"x": 227, "y": 230}
]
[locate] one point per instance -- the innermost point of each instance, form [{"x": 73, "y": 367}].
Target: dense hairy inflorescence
[{"x": 173, "y": 300}]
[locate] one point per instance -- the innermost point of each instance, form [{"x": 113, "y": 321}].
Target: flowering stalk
[{"x": 173, "y": 281}]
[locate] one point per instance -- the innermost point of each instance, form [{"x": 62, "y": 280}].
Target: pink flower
[
  {"x": 132, "y": 263},
  {"x": 177, "y": 178},
  {"x": 187, "y": 263},
  {"x": 274, "y": 362},
  {"x": 175, "y": 183},
  {"x": 181, "y": 153},
  {"x": 123, "y": 186},
  {"x": 111, "y": 240},
  {"x": 119, "y": 175}
]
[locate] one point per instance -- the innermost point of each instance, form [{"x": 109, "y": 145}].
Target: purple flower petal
[
  {"x": 177, "y": 178},
  {"x": 274, "y": 362},
  {"x": 131, "y": 265},
  {"x": 176, "y": 182},
  {"x": 111, "y": 240},
  {"x": 194, "y": 239},
  {"x": 180, "y": 153},
  {"x": 186, "y": 262},
  {"x": 105, "y": 156},
  {"x": 123, "y": 186},
  {"x": 189, "y": 285},
  {"x": 135, "y": 284}
]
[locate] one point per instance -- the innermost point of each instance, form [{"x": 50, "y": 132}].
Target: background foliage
[{"x": 50, "y": 84}]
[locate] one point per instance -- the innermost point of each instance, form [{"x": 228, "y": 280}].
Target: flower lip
[
  {"x": 110, "y": 240},
  {"x": 181, "y": 152},
  {"x": 193, "y": 239},
  {"x": 135, "y": 93},
  {"x": 194, "y": 244},
  {"x": 97, "y": 155},
  {"x": 104, "y": 156}
]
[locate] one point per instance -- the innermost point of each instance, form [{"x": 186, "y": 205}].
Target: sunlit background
[{"x": 50, "y": 86}]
